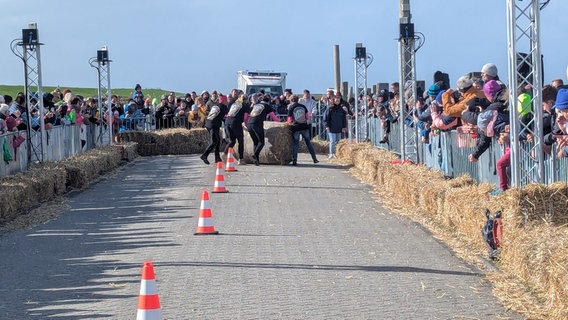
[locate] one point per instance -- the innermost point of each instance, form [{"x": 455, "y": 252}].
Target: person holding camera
[{"x": 454, "y": 102}]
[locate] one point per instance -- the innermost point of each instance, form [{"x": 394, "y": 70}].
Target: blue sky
[{"x": 187, "y": 45}]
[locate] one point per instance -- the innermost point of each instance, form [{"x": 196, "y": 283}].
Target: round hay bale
[{"x": 278, "y": 142}]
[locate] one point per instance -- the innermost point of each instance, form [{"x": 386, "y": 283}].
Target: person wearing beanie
[
  {"x": 455, "y": 102},
  {"x": 492, "y": 119},
  {"x": 489, "y": 72},
  {"x": 559, "y": 134},
  {"x": 433, "y": 90}
]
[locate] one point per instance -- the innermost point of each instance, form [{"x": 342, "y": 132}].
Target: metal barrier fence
[{"x": 448, "y": 152}]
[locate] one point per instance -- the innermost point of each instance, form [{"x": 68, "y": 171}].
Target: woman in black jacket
[{"x": 335, "y": 120}]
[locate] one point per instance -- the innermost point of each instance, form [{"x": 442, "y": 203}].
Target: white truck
[{"x": 251, "y": 82}]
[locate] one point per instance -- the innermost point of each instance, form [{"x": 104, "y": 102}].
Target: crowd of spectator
[{"x": 478, "y": 106}]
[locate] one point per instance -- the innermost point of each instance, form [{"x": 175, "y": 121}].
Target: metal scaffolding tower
[
  {"x": 362, "y": 61},
  {"x": 30, "y": 55},
  {"x": 407, "y": 94},
  {"x": 101, "y": 63},
  {"x": 525, "y": 71}
]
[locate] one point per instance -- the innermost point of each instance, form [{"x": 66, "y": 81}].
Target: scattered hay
[{"x": 534, "y": 257}]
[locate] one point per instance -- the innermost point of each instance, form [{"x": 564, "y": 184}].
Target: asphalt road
[{"x": 306, "y": 242}]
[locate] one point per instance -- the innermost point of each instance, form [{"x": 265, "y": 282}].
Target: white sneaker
[
  {"x": 334, "y": 156},
  {"x": 330, "y": 156}
]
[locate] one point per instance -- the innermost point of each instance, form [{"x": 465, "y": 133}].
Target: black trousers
[
  {"x": 257, "y": 136},
  {"x": 235, "y": 134},
  {"x": 214, "y": 144}
]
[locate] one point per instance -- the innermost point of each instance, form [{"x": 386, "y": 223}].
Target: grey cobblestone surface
[{"x": 306, "y": 242}]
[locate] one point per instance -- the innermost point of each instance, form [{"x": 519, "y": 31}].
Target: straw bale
[
  {"x": 278, "y": 143},
  {"x": 545, "y": 203},
  {"x": 538, "y": 255},
  {"x": 169, "y": 141},
  {"x": 83, "y": 169},
  {"x": 41, "y": 182},
  {"x": 128, "y": 150},
  {"x": 320, "y": 146}
]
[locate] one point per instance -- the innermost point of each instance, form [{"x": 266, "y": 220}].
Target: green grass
[{"x": 88, "y": 92}]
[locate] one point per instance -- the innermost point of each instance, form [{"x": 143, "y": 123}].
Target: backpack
[{"x": 491, "y": 232}]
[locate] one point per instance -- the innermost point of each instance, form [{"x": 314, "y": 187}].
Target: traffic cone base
[
  {"x": 205, "y": 222},
  {"x": 230, "y": 167},
  {"x": 148, "y": 301},
  {"x": 219, "y": 186}
]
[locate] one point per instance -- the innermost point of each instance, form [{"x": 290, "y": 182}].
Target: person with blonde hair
[{"x": 198, "y": 113}]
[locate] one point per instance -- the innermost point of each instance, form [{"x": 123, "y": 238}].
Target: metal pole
[{"x": 337, "y": 70}]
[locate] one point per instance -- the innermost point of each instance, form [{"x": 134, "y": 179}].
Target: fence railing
[{"x": 449, "y": 151}]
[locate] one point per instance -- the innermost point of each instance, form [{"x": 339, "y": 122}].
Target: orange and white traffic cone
[
  {"x": 230, "y": 161},
  {"x": 148, "y": 300},
  {"x": 219, "y": 186},
  {"x": 205, "y": 223}
]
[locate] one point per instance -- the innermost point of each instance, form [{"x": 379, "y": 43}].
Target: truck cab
[{"x": 271, "y": 82}]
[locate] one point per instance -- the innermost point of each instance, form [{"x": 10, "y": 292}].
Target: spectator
[
  {"x": 4, "y": 114},
  {"x": 454, "y": 102},
  {"x": 137, "y": 92},
  {"x": 198, "y": 113},
  {"x": 559, "y": 134},
  {"x": 504, "y": 162},
  {"x": 298, "y": 117},
  {"x": 234, "y": 125},
  {"x": 335, "y": 120},
  {"x": 439, "y": 120},
  {"x": 489, "y": 72},
  {"x": 181, "y": 115},
  {"x": 557, "y": 83},
  {"x": 310, "y": 104},
  {"x": 213, "y": 124},
  {"x": 491, "y": 120}
]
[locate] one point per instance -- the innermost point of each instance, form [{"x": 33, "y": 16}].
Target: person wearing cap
[
  {"x": 213, "y": 124},
  {"x": 455, "y": 102},
  {"x": 298, "y": 116},
  {"x": 234, "y": 125}
]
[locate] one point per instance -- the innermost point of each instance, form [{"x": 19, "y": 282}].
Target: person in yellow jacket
[
  {"x": 453, "y": 103},
  {"x": 198, "y": 113}
]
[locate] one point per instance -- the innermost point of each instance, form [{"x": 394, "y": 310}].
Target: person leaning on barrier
[
  {"x": 559, "y": 134},
  {"x": 492, "y": 118},
  {"x": 454, "y": 102},
  {"x": 549, "y": 93}
]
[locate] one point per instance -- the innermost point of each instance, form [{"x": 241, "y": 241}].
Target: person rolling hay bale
[{"x": 278, "y": 144}]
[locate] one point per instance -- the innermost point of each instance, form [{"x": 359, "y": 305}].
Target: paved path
[{"x": 306, "y": 242}]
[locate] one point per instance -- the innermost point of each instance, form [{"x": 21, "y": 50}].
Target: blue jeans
[
  {"x": 333, "y": 140},
  {"x": 306, "y": 136}
]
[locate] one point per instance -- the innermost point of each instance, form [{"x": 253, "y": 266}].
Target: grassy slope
[{"x": 87, "y": 92}]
